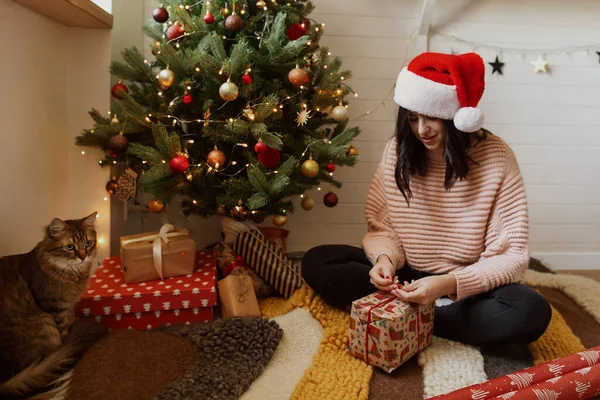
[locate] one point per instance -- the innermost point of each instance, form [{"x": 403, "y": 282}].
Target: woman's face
[{"x": 430, "y": 131}]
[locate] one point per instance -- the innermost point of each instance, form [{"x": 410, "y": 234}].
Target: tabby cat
[{"x": 39, "y": 338}]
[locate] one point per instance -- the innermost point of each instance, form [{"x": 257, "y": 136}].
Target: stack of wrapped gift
[
  {"x": 385, "y": 331},
  {"x": 142, "y": 291}
]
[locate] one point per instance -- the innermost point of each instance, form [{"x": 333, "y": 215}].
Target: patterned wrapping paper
[
  {"x": 269, "y": 261},
  {"x": 179, "y": 299},
  {"x": 385, "y": 331},
  {"x": 543, "y": 378}
]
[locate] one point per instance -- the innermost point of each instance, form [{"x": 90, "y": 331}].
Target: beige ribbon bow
[{"x": 166, "y": 232}]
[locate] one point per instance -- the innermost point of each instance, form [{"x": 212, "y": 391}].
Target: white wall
[
  {"x": 549, "y": 120},
  {"x": 53, "y": 75}
]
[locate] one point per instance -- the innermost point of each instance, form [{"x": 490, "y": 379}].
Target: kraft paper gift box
[
  {"x": 237, "y": 297},
  {"x": 157, "y": 255},
  {"x": 385, "y": 332}
]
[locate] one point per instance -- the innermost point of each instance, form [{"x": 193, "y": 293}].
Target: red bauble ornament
[
  {"x": 115, "y": 89},
  {"x": 246, "y": 79},
  {"x": 296, "y": 31},
  {"x": 330, "y": 167},
  {"x": 269, "y": 158},
  {"x": 118, "y": 144},
  {"x": 179, "y": 164},
  {"x": 187, "y": 98},
  {"x": 330, "y": 199},
  {"x": 174, "y": 32},
  {"x": 160, "y": 14},
  {"x": 260, "y": 147},
  {"x": 209, "y": 18}
]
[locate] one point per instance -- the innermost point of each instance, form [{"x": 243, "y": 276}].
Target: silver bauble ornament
[{"x": 340, "y": 113}]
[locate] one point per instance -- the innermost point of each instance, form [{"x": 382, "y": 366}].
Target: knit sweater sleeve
[
  {"x": 381, "y": 239},
  {"x": 506, "y": 255}
]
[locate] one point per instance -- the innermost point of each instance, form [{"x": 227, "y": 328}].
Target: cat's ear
[
  {"x": 90, "y": 221},
  {"x": 57, "y": 226}
]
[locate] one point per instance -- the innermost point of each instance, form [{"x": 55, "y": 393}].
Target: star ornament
[
  {"x": 303, "y": 117},
  {"x": 497, "y": 66},
  {"x": 540, "y": 65}
]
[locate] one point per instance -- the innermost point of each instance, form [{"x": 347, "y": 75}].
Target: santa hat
[{"x": 445, "y": 86}]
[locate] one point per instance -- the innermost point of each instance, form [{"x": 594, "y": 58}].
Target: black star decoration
[{"x": 497, "y": 65}]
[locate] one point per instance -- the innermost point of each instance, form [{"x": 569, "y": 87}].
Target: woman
[{"x": 446, "y": 213}]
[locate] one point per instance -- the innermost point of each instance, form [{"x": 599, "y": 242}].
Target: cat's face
[{"x": 70, "y": 244}]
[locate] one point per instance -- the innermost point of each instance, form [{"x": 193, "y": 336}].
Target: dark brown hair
[{"x": 412, "y": 154}]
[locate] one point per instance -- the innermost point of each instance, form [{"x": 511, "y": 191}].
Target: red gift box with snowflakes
[{"x": 145, "y": 305}]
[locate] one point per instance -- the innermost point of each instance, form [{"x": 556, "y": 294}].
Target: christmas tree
[{"x": 240, "y": 110}]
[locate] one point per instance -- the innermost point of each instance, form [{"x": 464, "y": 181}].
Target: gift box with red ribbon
[
  {"x": 385, "y": 331},
  {"x": 177, "y": 300},
  {"x": 576, "y": 376}
]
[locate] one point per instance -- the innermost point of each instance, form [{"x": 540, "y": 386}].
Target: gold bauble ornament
[
  {"x": 114, "y": 120},
  {"x": 261, "y": 4},
  {"x": 216, "y": 158},
  {"x": 229, "y": 91},
  {"x": 352, "y": 151},
  {"x": 279, "y": 220},
  {"x": 310, "y": 168},
  {"x": 239, "y": 212},
  {"x": 166, "y": 78},
  {"x": 298, "y": 77},
  {"x": 340, "y": 113},
  {"x": 156, "y": 206},
  {"x": 307, "y": 203}
]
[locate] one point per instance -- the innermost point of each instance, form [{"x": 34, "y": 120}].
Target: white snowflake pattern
[
  {"x": 206, "y": 273},
  {"x": 93, "y": 276},
  {"x": 86, "y": 312},
  {"x": 98, "y": 280},
  {"x": 556, "y": 369},
  {"x": 105, "y": 286},
  {"x": 168, "y": 324},
  {"x": 584, "y": 371},
  {"x": 127, "y": 308},
  {"x": 591, "y": 356},
  {"x": 130, "y": 289},
  {"x": 179, "y": 281},
  {"x": 204, "y": 283},
  {"x": 185, "y": 303},
  {"x": 187, "y": 285},
  {"x": 146, "y": 306},
  {"x": 117, "y": 266},
  {"x": 213, "y": 290},
  {"x": 118, "y": 317},
  {"x": 168, "y": 287},
  {"x": 196, "y": 311},
  {"x": 204, "y": 302},
  {"x": 98, "y": 318},
  {"x": 157, "y": 293},
  {"x": 149, "y": 288},
  {"x": 110, "y": 290},
  {"x": 117, "y": 296},
  {"x": 137, "y": 295},
  {"x": 197, "y": 280},
  {"x": 176, "y": 292},
  {"x": 149, "y": 327},
  {"x": 545, "y": 394},
  {"x": 97, "y": 298},
  {"x": 157, "y": 314},
  {"x": 106, "y": 310},
  {"x": 207, "y": 264},
  {"x": 143, "y": 284},
  {"x": 129, "y": 328},
  {"x": 124, "y": 285},
  {"x": 117, "y": 280},
  {"x": 176, "y": 312},
  {"x": 111, "y": 276},
  {"x": 111, "y": 261},
  {"x": 138, "y": 315},
  {"x": 166, "y": 305},
  {"x": 189, "y": 276},
  {"x": 478, "y": 394},
  {"x": 187, "y": 322},
  {"x": 161, "y": 283},
  {"x": 195, "y": 290},
  {"x": 90, "y": 291}
]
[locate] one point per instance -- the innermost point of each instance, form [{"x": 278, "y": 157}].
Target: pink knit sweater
[{"x": 478, "y": 230}]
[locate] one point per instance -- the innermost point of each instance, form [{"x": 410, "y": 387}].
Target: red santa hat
[{"x": 445, "y": 86}]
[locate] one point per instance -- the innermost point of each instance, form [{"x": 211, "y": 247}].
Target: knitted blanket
[{"x": 445, "y": 365}]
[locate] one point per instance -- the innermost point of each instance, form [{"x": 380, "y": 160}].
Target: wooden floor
[{"x": 589, "y": 273}]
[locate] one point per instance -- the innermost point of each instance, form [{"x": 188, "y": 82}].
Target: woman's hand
[
  {"x": 426, "y": 290},
  {"x": 382, "y": 274}
]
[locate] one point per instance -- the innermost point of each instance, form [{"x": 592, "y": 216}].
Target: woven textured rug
[{"x": 445, "y": 365}]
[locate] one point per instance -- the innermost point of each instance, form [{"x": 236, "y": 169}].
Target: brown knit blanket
[{"x": 218, "y": 360}]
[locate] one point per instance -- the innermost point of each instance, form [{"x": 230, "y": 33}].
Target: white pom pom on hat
[{"x": 445, "y": 86}]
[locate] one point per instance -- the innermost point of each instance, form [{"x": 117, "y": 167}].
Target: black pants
[{"x": 510, "y": 314}]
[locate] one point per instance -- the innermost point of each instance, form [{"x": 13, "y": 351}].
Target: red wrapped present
[
  {"x": 563, "y": 375},
  {"x": 385, "y": 331},
  {"x": 144, "y": 305}
]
